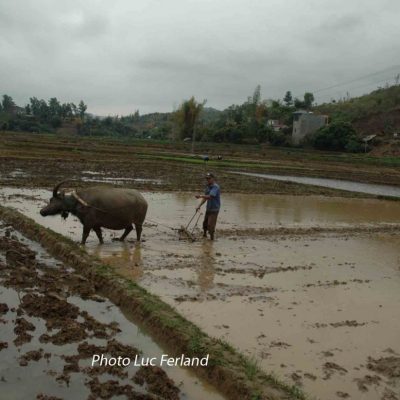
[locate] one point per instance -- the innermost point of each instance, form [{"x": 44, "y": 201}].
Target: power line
[
  {"x": 371, "y": 83},
  {"x": 374, "y": 83},
  {"x": 357, "y": 79}
]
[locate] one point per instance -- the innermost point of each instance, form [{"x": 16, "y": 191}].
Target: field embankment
[{"x": 41, "y": 160}]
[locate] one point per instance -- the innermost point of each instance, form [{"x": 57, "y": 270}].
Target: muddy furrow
[
  {"x": 236, "y": 376},
  {"x": 307, "y": 231}
]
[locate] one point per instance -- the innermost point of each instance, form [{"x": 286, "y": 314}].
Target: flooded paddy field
[
  {"x": 38, "y": 161},
  {"x": 53, "y": 321},
  {"x": 308, "y": 287}
]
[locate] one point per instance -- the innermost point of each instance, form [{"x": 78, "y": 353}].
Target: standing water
[{"x": 318, "y": 309}]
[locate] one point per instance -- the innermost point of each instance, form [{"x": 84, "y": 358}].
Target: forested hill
[
  {"x": 254, "y": 121},
  {"x": 376, "y": 112}
]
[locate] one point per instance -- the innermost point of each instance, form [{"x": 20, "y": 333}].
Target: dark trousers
[{"x": 210, "y": 221}]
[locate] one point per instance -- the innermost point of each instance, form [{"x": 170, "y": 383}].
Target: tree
[
  {"x": 35, "y": 106},
  {"x": 257, "y": 95},
  {"x": 54, "y": 107},
  {"x": 308, "y": 100},
  {"x": 187, "y": 115},
  {"x": 298, "y": 104},
  {"x": 66, "y": 110},
  {"x": 74, "y": 109},
  {"x": 43, "y": 110},
  {"x": 337, "y": 136},
  {"x": 288, "y": 99},
  {"x": 82, "y": 107},
  {"x": 7, "y": 103}
]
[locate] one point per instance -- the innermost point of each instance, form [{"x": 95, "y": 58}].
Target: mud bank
[
  {"x": 49, "y": 158},
  {"x": 52, "y": 322},
  {"x": 367, "y": 188},
  {"x": 308, "y": 290},
  {"x": 232, "y": 373}
]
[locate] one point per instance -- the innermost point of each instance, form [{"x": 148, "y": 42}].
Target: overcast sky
[{"x": 123, "y": 55}]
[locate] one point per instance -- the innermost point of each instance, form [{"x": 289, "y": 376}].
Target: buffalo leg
[
  {"x": 128, "y": 229},
  {"x": 99, "y": 234},
  {"x": 85, "y": 234},
  {"x": 138, "y": 231}
]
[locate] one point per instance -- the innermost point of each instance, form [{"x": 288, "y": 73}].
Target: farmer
[{"x": 212, "y": 197}]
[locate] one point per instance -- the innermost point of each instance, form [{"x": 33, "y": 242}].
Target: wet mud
[
  {"x": 381, "y": 190},
  {"x": 53, "y": 321},
  {"x": 310, "y": 293}
]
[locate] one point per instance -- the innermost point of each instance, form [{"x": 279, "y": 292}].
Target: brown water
[
  {"x": 311, "y": 308},
  {"x": 24, "y": 382},
  {"x": 243, "y": 211}
]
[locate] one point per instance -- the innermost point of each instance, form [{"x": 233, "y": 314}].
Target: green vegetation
[
  {"x": 337, "y": 136},
  {"x": 249, "y": 122},
  {"x": 255, "y": 121},
  {"x": 155, "y": 316},
  {"x": 351, "y": 110},
  {"x": 39, "y": 115},
  {"x": 211, "y": 163},
  {"x": 251, "y": 367},
  {"x": 187, "y": 116}
]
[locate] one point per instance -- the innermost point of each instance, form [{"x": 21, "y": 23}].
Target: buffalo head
[{"x": 57, "y": 204}]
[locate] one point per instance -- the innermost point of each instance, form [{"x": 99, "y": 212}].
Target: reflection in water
[
  {"x": 127, "y": 260},
  {"x": 206, "y": 266},
  {"x": 369, "y": 266},
  {"x": 257, "y": 211},
  {"x": 239, "y": 210}
]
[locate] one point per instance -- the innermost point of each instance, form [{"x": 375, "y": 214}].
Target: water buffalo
[{"x": 100, "y": 207}]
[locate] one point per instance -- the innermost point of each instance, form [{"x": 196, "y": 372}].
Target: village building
[
  {"x": 306, "y": 123},
  {"x": 276, "y": 125}
]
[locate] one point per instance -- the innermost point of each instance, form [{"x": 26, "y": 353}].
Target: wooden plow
[{"x": 186, "y": 233}]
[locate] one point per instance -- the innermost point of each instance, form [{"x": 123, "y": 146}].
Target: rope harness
[{"x": 84, "y": 203}]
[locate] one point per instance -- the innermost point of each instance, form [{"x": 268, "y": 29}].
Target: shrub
[
  {"x": 354, "y": 146},
  {"x": 337, "y": 136},
  {"x": 277, "y": 138}
]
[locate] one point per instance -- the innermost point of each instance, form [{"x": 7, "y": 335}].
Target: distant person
[{"x": 212, "y": 196}]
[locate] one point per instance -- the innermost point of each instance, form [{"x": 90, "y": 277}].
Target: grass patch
[
  {"x": 193, "y": 160},
  {"x": 226, "y": 364},
  {"x": 251, "y": 367}
]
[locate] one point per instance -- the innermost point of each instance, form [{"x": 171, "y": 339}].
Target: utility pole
[{"x": 193, "y": 138}]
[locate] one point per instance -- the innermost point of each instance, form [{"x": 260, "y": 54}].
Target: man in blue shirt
[{"x": 212, "y": 196}]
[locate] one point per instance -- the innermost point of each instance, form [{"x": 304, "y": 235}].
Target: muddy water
[
  {"x": 240, "y": 210},
  {"x": 40, "y": 375},
  {"x": 314, "y": 309},
  {"x": 97, "y": 177},
  {"x": 383, "y": 190}
]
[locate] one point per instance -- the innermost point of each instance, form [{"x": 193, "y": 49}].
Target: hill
[{"x": 375, "y": 113}]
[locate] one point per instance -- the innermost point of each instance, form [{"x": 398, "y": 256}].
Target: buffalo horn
[{"x": 55, "y": 190}]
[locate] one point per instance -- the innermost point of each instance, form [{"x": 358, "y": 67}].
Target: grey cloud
[
  {"x": 343, "y": 24},
  {"x": 150, "y": 55}
]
